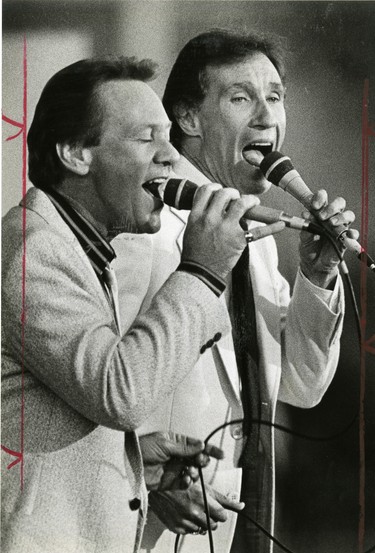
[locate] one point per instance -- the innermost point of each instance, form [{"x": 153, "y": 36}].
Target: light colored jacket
[
  {"x": 299, "y": 348},
  {"x": 85, "y": 388}
]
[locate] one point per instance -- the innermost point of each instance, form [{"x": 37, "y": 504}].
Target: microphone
[
  {"x": 179, "y": 193},
  {"x": 279, "y": 170}
]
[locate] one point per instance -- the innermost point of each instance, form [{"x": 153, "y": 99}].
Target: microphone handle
[
  {"x": 269, "y": 215},
  {"x": 293, "y": 183}
]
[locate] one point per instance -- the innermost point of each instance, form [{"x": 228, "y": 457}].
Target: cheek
[
  {"x": 281, "y": 118},
  {"x": 213, "y": 125},
  {"x": 222, "y": 136}
]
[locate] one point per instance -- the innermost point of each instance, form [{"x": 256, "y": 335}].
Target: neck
[
  {"x": 82, "y": 200},
  {"x": 190, "y": 148}
]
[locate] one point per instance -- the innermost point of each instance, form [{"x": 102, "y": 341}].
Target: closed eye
[{"x": 239, "y": 99}]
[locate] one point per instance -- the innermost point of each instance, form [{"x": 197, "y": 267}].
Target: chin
[
  {"x": 250, "y": 180},
  {"x": 153, "y": 224},
  {"x": 253, "y": 186}
]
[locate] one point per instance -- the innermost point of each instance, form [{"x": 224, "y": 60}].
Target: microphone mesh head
[
  {"x": 170, "y": 192},
  {"x": 274, "y": 166},
  {"x": 179, "y": 193}
]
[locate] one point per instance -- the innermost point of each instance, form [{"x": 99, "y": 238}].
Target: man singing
[
  {"x": 225, "y": 98},
  {"x": 75, "y": 384}
]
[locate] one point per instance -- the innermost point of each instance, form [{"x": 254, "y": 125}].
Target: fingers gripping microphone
[
  {"x": 179, "y": 193},
  {"x": 279, "y": 170}
]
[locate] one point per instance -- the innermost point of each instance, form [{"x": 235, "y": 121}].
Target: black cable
[
  {"x": 348, "y": 281},
  {"x": 207, "y": 511},
  {"x": 270, "y": 536},
  {"x": 285, "y": 429},
  {"x": 275, "y": 540},
  {"x": 278, "y": 427}
]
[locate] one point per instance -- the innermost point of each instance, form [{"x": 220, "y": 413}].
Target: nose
[
  {"x": 263, "y": 116},
  {"x": 166, "y": 154}
]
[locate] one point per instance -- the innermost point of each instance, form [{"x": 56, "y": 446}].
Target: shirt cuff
[
  {"x": 330, "y": 297},
  {"x": 215, "y": 283}
]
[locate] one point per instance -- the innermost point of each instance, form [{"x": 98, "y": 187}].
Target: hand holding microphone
[
  {"x": 319, "y": 261},
  {"x": 213, "y": 237},
  {"x": 318, "y": 258}
]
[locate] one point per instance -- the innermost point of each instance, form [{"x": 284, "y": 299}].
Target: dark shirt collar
[{"x": 96, "y": 247}]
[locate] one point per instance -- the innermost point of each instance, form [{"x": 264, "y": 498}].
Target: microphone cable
[
  {"x": 282, "y": 428},
  {"x": 240, "y": 513}
]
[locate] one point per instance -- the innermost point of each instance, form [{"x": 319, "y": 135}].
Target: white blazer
[{"x": 85, "y": 388}]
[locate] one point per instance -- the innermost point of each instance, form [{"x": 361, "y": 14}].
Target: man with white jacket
[
  {"x": 225, "y": 98},
  {"x": 75, "y": 383}
]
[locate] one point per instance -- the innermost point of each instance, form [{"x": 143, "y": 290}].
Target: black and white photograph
[{"x": 188, "y": 276}]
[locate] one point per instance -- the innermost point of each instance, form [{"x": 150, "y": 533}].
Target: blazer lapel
[
  {"x": 36, "y": 200},
  {"x": 268, "y": 319},
  {"x": 183, "y": 217}
]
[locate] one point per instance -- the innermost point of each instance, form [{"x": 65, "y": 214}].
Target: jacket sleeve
[
  {"x": 70, "y": 339},
  {"x": 310, "y": 340}
]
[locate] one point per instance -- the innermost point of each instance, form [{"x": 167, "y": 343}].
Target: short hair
[
  {"x": 187, "y": 83},
  {"x": 67, "y": 111}
]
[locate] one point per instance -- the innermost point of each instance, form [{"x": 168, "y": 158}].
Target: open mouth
[
  {"x": 254, "y": 152},
  {"x": 152, "y": 186}
]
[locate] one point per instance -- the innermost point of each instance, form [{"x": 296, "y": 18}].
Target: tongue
[{"x": 254, "y": 157}]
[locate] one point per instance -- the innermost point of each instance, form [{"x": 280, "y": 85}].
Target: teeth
[
  {"x": 255, "y": 151},
  {"x": 256, "y": 145},
  {"x": 263, "y": 147},
  {"x": 158, "y": 180}
]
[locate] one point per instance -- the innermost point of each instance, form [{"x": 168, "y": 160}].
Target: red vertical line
[
  {"x": 363, "y": 296},
  {"x": 23, "y": 315}
]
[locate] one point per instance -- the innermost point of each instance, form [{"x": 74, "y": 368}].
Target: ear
[
  {"x": 188, "y": 119},
  {"x": 75, "y": 158}
]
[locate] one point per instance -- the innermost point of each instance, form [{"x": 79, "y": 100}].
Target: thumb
[
  {"x": 227, "y": 502},
  {"x": 258, "y": 233}
]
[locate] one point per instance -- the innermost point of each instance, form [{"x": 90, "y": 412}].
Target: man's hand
[
  {"x": 182, "y": 511},
  {"x": 213, "y": 236},
  {"x": 171, "y": 460},
  {"x": 319, "y": 260}
]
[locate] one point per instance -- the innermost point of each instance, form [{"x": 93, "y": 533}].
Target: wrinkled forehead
[{"x": 253, "y": 67}]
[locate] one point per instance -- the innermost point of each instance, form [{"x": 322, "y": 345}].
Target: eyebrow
[
  {"x": 247, "y": 84},
  {"x": 147, "y": 127},
  {"x": 152, "y": 126}
]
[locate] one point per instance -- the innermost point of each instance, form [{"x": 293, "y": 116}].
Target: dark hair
[
  {"x": 67, "y": 111},
  {"x": 187, "y": 83}
]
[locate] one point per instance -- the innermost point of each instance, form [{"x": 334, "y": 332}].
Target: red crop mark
[
  {"x": 17, "y": 454},
  {"x": 369, "y": 348},
  {"x": 23, "y": 131},
  {"x": 368, "y": 130},
  {"x": 15, "y": 124}
]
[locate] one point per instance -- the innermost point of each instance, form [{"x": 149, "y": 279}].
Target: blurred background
[{"x": 330, "y": 52}]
